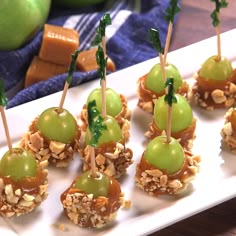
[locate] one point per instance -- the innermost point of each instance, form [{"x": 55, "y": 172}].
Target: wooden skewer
[
  {"x": 168, "y": 38},
  {"x": 103, "y": 83},
  {"x": 4, "y": 120},
  {"x": 218, "y": 43},
  {"x": 92, "y": 159},
  {"x": 60, "y": 108},
  {"x": 168, "y": 128}
]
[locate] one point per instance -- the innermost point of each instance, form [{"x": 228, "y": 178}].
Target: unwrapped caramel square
[
  {"x": 86, "y": 61},
  {"x": 40, "y": 70},
  {"x": 58, "y": 44}
]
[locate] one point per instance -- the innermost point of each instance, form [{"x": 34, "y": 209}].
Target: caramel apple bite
[
  {"x": 165, "y": 168},
  {"x": 215, "y": 81},
  {"x": 54, "y": 135},
  {"x": 215, "y": 85},
  {"x": 151, "y": 86},
  {"x": 23, "y": 182},
  {"x": 93, "y": 202},
  {"x": 112, "y": 157}
]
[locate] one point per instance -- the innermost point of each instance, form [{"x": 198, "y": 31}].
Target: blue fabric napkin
[{"x": 127, "y": 43}]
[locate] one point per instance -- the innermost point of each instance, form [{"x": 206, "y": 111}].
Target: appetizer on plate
[
  {"x": 54, "y": 135},
  {"x": 23, "y": 180},
  {"x": 112, "y": 157},
  {"x": 215, "y": 85},
  {"x": 151, "y": 86}
]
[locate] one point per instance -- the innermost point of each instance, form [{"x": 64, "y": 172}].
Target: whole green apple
[
  {"x": 18, "y": 164},
  {"x": 75, "y": 3},
  {"x": 20, "y": 20},
  {"x": 165, "y": 156},
  {"x": 56, "y": 126},
  {"x": 216, "y": 69},
  {"x": 155, "y": 82}
]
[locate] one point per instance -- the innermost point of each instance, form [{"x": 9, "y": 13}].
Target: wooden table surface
[{"x": 193, "y": 25}]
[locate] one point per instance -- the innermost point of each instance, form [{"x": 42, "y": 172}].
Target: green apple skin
[
  {"x": 20, "y": 20},
  {"x": 214, "y": 69},
  {"x": 182, "y": 114},
  {"x": 165, "y": 156},
  {"x": 155, "y": 82},
  {"x": 113, "y": 102},
  {"x": 56, "y": 126},
  {"x": 97, "y": 186},
  {"x": 18, "y": 165},
  {"x": 75, "y": 3}
]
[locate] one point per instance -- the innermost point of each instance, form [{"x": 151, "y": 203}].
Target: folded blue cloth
[{"x": 127, "y": 44}]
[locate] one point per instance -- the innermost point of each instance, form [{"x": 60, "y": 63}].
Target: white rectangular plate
[{"x": 215, "y": 183}]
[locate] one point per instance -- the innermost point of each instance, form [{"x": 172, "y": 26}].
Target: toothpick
[
  {"x": 92, "y": 161},
  {"x": 168, "y": 128},
  {"x": 215, "y": 15},
  {"x": 169, "y": 99},
  {"x": 104, "y": 83},
  {"x": 218, "y": 41},
  {"x": 171, "y": 11},
  {"x": 168, "y": 38},
  {"x": 4, "y": 121},
  {"x": 95, "y": 125}
]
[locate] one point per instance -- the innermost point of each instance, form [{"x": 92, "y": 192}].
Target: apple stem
[
  {"x": 4, "y": 120},
  {"x": 168, "y": 37},
  {"x": 60, "y": 108},
  {"x": 103, "y": 82}
]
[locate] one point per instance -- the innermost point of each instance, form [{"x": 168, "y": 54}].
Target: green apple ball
[
  {"x": 20, "y": 20},
  {"x": 60, "y": 127},
  {"x": 98, "y": 186},
  {"x": 155, "y": 82},
  {"x": 113, "y": 102},
  {"x": 218, "y": 70},
  {"x": 18, "y": 165},
  {"x": 165, "y": 156},
  {"x": 75, "y": 3},
  {"x": 182, "y": 114},
  {"x": 112, "y": 133}
]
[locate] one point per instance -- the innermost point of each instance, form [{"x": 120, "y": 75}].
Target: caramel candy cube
[
  {"x": 40, "y": 70},
  {"x": 86, "y": 61},
  {"x": 58, "y": 44}
]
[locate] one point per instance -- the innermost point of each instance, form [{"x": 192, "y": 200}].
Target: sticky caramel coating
[
  {"x": 210, "y": 94},
  {"x": 157, "y": 182},
  {"x": 57, "y": 153},
  {"x": 21, "y": 197},
  {"x": 86, "y": 211}
]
